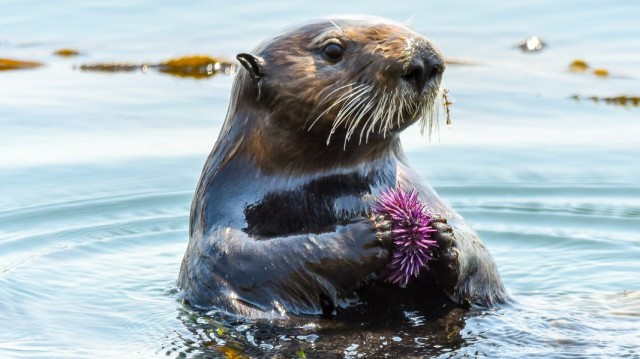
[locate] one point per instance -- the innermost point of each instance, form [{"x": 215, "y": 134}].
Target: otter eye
[{"x": 333, "y": 52}]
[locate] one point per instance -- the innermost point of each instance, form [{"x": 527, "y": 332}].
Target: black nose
[{"x": 423, "y": 71}]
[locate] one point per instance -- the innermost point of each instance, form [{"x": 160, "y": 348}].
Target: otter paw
[
  {"x": 383, "y": 228},
  {"x": 445, "y": 266}
]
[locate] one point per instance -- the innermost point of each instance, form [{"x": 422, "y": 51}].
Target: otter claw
[
  {"x": 383, "y": 224},
  {"x": 438, "y": 218},
  {"x": 447, "y": 265},
  {"x": 443, "y": 235},
  {"x": 382, "y": 227}
]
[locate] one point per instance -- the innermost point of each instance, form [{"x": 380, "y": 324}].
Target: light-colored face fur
[{"x": 361, "y": 97}]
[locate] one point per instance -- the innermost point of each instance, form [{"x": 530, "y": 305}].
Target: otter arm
[
  {"x": 478, "y": 280},
  {"x": 300, "y": 274},
  {"x": 465, "y": 271}
]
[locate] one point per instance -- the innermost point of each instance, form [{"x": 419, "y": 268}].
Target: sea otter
[{"x": 280, "y": 222}]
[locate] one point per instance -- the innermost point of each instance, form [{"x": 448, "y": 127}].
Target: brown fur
[
  {"x": 297, "y": 80},
  {"x": 280, "y": 219}
]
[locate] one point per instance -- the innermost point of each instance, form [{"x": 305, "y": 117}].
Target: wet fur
[{"x": 279, "y": 222}]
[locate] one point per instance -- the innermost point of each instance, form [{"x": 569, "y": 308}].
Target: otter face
[{"x": 349, "y": 79}]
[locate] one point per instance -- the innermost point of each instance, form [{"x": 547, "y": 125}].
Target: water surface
[{"x": 97, "y": 172}]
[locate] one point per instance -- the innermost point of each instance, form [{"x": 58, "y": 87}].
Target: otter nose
[{"x": 423, "y": 71}]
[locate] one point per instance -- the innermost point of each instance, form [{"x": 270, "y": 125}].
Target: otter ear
[{"x": 253, "y": 64}]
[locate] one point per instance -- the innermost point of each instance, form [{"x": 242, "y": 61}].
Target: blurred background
[{"x": 97, "y": 172}]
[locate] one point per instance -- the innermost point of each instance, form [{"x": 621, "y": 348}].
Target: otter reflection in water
[{"x": 280, "y": 222}]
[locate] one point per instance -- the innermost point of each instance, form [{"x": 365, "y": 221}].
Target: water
[{"x": 97, "y": 172}]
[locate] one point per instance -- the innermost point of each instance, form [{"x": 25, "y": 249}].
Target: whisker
[
  {"x": 337, "y": 101},
  {"x": 430, "y": 116},
  {"x": 388, "y": 114},
  {"x": 348, "y": 122},
  {"x": 339, "y": 117},
  {"x": 351, "y": 96},
  {"x": 346, "y": 109},
  {"x": 382, "y": 105},
  {"x": 363, "y": 110},
  {"x": 400, "y": 110},
  {"x": 409, "y": 20},
  {"x": 336, "y": 25},
  {"x": 374, "y": 102},
  {"x": 363, "y": 107},
  {"x": 334, "y": 91}
]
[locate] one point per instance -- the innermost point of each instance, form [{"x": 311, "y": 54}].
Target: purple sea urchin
[{"x": 411, "y": 228}]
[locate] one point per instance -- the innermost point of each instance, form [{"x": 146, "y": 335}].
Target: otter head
[{"x": 344, "y": 82}]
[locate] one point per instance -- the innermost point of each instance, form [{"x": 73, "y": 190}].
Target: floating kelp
[
  {"x": 532, "y": 44},
  {"x": 9, "y": 64},
  {"x": 113, "y": 67},
  {"x": 66, "y": 52},
  {"x": 578, "y": 65},
  {"x": 623, "y": 100},
  {"x": 601, "y": 72},
  {"x": 198, "y": 66},
  {"x": 446, "y": 102}
]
